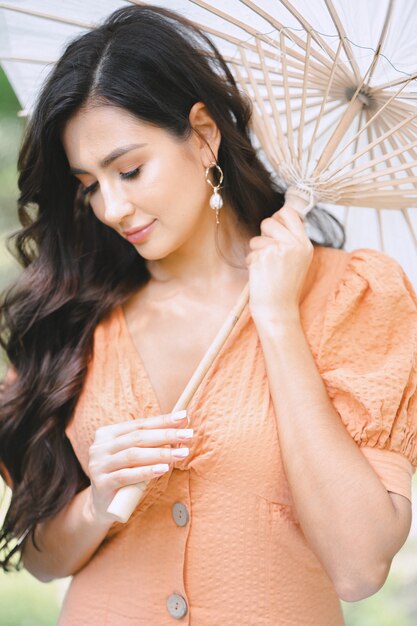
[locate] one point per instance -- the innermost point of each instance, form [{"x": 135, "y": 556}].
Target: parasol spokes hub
[{"x": 364, "y": 96}]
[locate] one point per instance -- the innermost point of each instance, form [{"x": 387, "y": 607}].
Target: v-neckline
[{"x": 137, "y": 359}]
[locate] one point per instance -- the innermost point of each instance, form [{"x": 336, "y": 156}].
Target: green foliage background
[{"x": 24, "y": 601}]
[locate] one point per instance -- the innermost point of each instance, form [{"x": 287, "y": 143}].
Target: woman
[{"x": 294, "y": 488}]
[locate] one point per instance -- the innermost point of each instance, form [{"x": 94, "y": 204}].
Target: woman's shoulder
[
  {"x": 366, "y": 260},
  {"x": 106, "y": 337},
  {"x": 362, "y": 270},
  {"x": 108, "y": 327},
  {"x": 371, "y": 296},
  {"x": 357, "y": 293},
  {"x": 336, "y": 260},
  {"x": 101, "y": 382}
]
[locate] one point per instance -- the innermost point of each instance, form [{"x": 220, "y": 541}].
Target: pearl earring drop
[{"x": 216, "y": 201}]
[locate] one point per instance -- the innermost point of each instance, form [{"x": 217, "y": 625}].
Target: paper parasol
[{"x": 307, "y": 87}]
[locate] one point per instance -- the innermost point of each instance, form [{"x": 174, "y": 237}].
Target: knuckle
[
  {"x": 93, "y": 461},
  {"x": 95, "y": 453},
  {"x": 167, "y": 419},
  {"x": 116, "y": 480},
  {"x": 92, "y": 451},
  {"x": 99, "y": 483},
  {"x": 100, "y": 433},
  {"x": 95, "y": 472},
  {"x": 170, "y": 433},
  {"x": 305, "y": 247},
  {"x": 130, "y": 455},
  {"x": 139, "y": 438}
]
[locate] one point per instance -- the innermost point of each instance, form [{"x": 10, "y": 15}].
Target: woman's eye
[
  {"x": 126, "y": 175},
  {"x": 86, "y": 190},
  {"x": 131, "y": 174}
]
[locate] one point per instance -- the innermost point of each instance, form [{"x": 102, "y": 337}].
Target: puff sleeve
[{"x": 368, "y": 362}]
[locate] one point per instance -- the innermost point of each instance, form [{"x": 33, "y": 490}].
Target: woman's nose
[{"x": 116, "y": 207}]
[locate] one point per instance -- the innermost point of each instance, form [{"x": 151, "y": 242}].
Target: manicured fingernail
[
  {"x": 179, "y": 415},
  {"x": 161, "y": 468},
  {"x": 185, "y": 433},
  {"x": 180, "y": 453}
]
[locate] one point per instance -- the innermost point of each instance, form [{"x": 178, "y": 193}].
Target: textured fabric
[{"x": 242, "y": 558}]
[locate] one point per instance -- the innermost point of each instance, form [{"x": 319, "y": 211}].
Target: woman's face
[{"x": 150, "y": 177}]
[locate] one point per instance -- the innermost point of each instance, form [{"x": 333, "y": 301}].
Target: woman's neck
[{"x": 199, "y": 267}]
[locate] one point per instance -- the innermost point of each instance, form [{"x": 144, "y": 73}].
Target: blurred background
[{"x": 24, "y": 601}]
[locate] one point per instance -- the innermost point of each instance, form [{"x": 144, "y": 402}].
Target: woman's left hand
[{"x": 278, "y": 265}]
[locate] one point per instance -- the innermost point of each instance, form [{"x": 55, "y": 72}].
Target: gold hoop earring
[{"x": 216, "y": 201}]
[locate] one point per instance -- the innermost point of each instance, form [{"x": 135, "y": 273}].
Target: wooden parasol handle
[{"x": 127, "y": 498}]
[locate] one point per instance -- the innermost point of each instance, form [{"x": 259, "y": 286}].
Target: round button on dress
[
  {"x": 177, "y": 606},
  {"x": 180, "y": 514}
]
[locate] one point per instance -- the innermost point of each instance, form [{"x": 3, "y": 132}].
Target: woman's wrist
[
  {"x": 91, "y": 515},
  {"x": 281, "y": 321}
]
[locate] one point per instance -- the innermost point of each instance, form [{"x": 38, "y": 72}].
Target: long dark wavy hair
[{"x": 155, "y": 64}]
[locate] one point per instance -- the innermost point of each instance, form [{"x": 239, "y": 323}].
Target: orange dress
[{"x": 216, "y": 540}]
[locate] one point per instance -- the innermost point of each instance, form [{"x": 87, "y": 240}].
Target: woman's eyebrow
[{"x": 111, "y": 157}]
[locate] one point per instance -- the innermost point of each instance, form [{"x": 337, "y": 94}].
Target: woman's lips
[{"x": 139, "y": 234}]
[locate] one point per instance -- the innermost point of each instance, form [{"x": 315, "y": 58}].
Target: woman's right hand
[{"x": 127, "y": 453}]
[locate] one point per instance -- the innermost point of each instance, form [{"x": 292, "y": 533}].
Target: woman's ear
[{"x": 207, "y": 132}]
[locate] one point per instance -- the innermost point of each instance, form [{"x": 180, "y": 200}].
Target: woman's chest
[
  {"x": 170, "y": 354},
  {"x": 235, "y": 439},
  {"x": 170, "y": 344}
]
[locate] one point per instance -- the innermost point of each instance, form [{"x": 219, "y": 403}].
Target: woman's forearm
[
  {"x": 67, "y": 541},
  {"x": 344, "y": 510}
]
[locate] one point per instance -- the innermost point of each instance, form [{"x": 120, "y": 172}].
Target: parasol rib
[
  {"x": 323, "y": 103},
  {"x": 46, "y": 16},
  {"x": 303, "y": 99},
  {"x": 316, "y": 36},
  {"x": 382, "y": 35},
  {"x": 271, "y": 99},
  {"x": 344, "y": 40},
  {"x": 289, "y": 134}
]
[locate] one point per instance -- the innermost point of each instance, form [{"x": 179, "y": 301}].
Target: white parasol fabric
[{"x": 306, "y": 65}]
